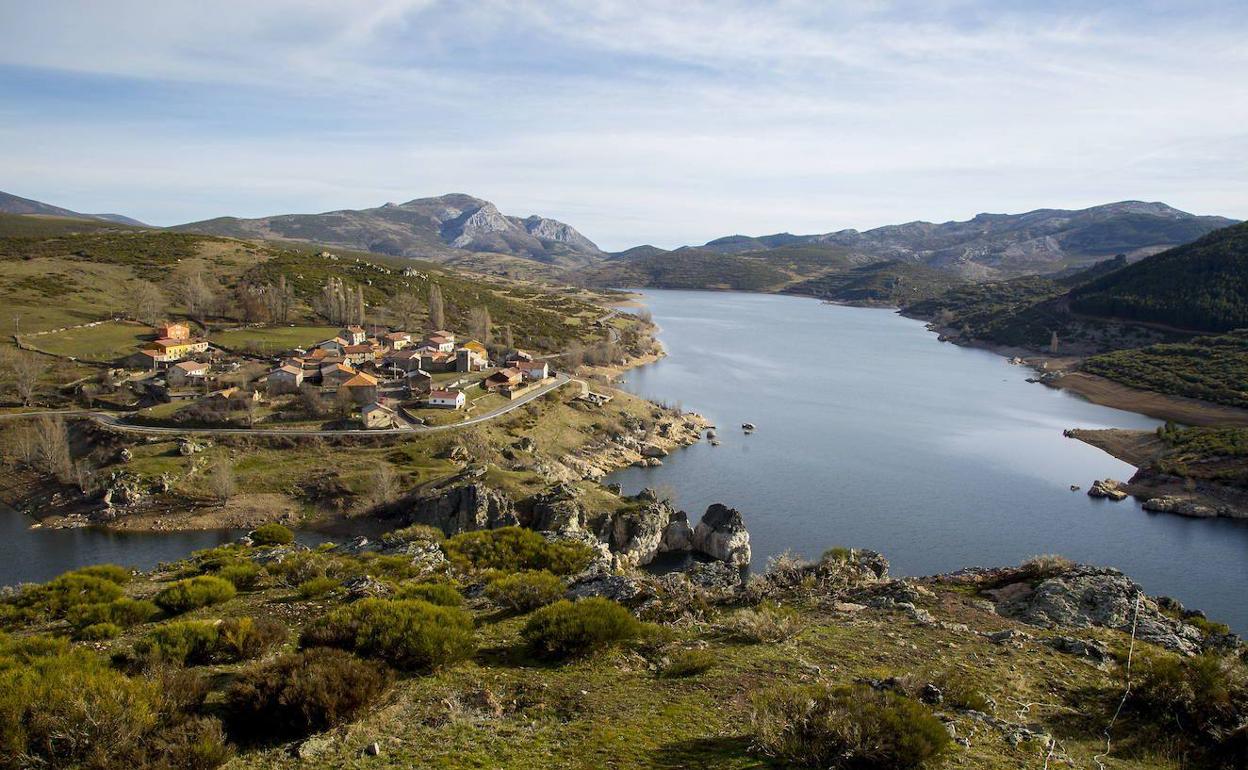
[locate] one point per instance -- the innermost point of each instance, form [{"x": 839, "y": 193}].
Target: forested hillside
[{"x": 1202, "y": 286}]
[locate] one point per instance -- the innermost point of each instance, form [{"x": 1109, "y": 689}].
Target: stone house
[
  {"x": 185, "y": 373},
  {"x": 362, "y": 387},
  {"x": 285, "y": 379}
]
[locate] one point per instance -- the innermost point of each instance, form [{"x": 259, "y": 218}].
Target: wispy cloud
[{"x": 636, "y": 121}]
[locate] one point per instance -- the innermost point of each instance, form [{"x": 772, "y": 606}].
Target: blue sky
[{"x": 637, "y": 122}]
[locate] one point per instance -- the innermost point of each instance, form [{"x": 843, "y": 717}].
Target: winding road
[{"x": 113, "y": 420}]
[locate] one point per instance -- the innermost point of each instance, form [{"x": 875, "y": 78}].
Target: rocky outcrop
[
  {"x": 677, "y": 534},
  {"x": 636, "y": 535},
  {"x": 721, "y": 534},
  {"x": 559, "y": 509},
  {"x": 464, "y": 508},
  {"x": 1084, "y": 597},
  {"x": 1180, "y": 506},
  {"x": 1108, "y": 489}
]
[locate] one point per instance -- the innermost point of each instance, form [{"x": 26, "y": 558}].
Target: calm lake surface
[{"x": 873, "y": 434}]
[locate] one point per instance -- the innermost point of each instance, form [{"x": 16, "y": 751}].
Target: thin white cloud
[{"x": 637, "y": 121}]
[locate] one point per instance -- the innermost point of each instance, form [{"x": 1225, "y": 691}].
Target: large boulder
[
  {"x": 1108, "y": 489},
  {"x": 560, "y": 509},
  {"x": 465, "y": 508},
  {"x": 677, "y": 535},
  {"x": 636, "y": 536},
  {"x": 721, "y": 534},
  {"x": 1085, "y": 597}
]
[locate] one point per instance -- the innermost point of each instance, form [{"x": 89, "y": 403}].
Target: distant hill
[
  {"x": 1002, "y": 245},
  {"x": 13, "y": 204},
  {"x": 438, "y": 227},
  {"x": 1202, "y": 286}
]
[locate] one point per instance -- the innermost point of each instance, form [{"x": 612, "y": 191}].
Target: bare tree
[
  {"x": 52, "y": 442},
  {"x": 359, "y": 305},
  {"x": 145, "y": 301},
  {"x": 22, "y": 372},
  {"x": 221, "y": 481},
  {"x": 405, "y": 306},
  {"x": 509, "y": 341},
  {"x": 479, "y": 323},
  {"x": 384, "y": 486},
  {"x": 574, "y": 355},
  {"x": 196, "y": 293},
  {"x": 437, "y": 309}
]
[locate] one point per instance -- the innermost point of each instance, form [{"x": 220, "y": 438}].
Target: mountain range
[
  {"x": 425, "y": 227},
  {"x": 12, "y": 204},
  {"x": 470, "y": 231}
]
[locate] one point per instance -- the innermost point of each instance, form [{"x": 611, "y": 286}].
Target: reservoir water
[{"x": 873, "y": 434}]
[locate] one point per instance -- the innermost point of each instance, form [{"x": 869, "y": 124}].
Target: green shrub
[
  {"x": 441, "y": 594},
  {"x": 184, "y": 642},
  {"x": 845, "y": 727},
  {"x": 68, "y": 709},
  {"x": 413, "y": 533},
  {"x": 98, "y": 632},
  {"x": 110, "y": 572},
  {"x": 193, "y": 593},
  {"x": 1207, "y": 694},
  {"x": 272, "y": 534},
  {"x": 687, "y": 663},
  {"x": 243, "y": 576},
  {"x": 525, "y": 591},
  {"x": 317, "y": 587},
  {"x": 407, "y": 633},
  {"x": 124, "y": 612},
  {"x": 768, "y": 622},
  {"x": 57, "y": 597},
  {"x": 248, "y": 638},
  {"x": 195, "y": 743},
  {"x": 303, "y": 693},
  {"x": 566, "y": 629},
  {"x": 512, "y": 549}
]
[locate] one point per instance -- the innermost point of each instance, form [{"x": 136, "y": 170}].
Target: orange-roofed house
[{"x": 362, "y": 387}]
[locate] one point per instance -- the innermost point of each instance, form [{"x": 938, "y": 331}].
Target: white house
[
  {"x": 533, "y": 370},
  {"x": 186, "y": 373},
  {"x": 354, "y": 335},
  {"x": 446, "y": 399}
]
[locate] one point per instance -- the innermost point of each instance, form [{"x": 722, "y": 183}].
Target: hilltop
[
  {"x": 12, "y": 204},
  {"x": 436, "y": 228}
]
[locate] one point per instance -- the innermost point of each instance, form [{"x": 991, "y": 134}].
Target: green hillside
[{"x": 1202, "y": 286}]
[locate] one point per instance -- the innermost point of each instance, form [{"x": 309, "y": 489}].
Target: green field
[
  {"x": 273, "y": 339},
  {"x": 96, "y": 343}
]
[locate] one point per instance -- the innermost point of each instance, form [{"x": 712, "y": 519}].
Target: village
[{"x": 371, "y": 379}]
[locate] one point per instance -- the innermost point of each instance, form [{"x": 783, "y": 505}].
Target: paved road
[{"x": 113, "y": 420}]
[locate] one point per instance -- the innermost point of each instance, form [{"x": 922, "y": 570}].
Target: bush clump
[
  {"x": 248, "y": 638},
  {"x": 66, "y": 708},
  {"x": 58, "y": 596},
  {"x": 413, "y": 533},
  {"x": 567, "y": 629},
  {"x": 441, "y": 594},
  {"x": 183, "y": 643},
  {"x": 111, "y": 572},
  {"x": 243, "y": 576},
  {"x": 272, "y": 534},
  {"x": 317, "y": 587},
  {"x": 685, "y": 663},
  {"x": 408, "y": 634},
  {"x": 303, "y": 693},
  {"x": 124, "y": 612},
  {"x": 512, "y": 549},
  {"x": 98, "y": 632},
  {"x": 193, "y": 593},
  {"x": 845, "y": 727},
  {"x": 768, "y": 622},
  {"x": 525, "y": 591},
  {"x": 1207, "y": 694}
]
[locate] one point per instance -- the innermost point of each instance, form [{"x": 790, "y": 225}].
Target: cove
[{"x": 873, "y": 434}]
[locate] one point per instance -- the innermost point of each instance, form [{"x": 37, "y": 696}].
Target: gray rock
[
  {"x": 365, "y": 587},
  {"x": 715, "y": 577},
  {"x": 559, "y": 509},
  {"x": 1180, "y": 506},
  {"x": 635, "y": 535},
  {"x": 1086, "y": 597},
  {"x": 721, "y": 534},
  {"x": 677, "y": 535},
  {"x": 1107, "y": 489},
  {"x": 465, "y": 508},
  {"x": 1091, "y": 649},
  {"x": 618, "y": 588}
]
